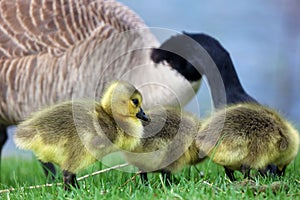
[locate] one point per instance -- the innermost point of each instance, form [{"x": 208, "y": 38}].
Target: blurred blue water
[{"x": 263, "y": 38}]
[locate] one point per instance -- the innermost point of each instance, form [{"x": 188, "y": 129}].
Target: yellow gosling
[
  {"x": 75, "y": 134},
  {"x": 248, "y": 136}
]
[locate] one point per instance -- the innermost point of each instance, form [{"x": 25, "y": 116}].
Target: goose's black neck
[
  {"x": 234, "y": 90},
  {"x": 224, "y": 83}
]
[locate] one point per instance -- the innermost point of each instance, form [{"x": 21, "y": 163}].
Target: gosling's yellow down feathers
[
  {"x": 75, "y": 134},
  {"x": 168, "y": 141},
  {"x": 248, "y": 135}
]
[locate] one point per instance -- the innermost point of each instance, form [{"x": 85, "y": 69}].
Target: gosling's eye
[{"x": 135, "y": 102}]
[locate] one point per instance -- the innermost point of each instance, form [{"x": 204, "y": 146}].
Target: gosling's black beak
[{"x": 141, "y": 115}]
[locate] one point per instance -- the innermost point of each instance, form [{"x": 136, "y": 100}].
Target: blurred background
[{"x": 263, "y": 38}]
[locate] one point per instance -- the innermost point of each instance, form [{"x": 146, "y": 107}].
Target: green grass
[{"x": 18, "y": 172}]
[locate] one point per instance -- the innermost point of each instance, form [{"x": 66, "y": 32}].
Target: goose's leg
[
  {"x": 49, "y": 170},
  {"x": 230, "y": 173},
  {"x": 69, "y": 179},
  {"x": 3, "y": 138}
]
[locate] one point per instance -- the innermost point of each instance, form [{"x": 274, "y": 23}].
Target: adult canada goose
[
  {"x": 75, "y": 134},
  {"x": 51, "y": 51},
  {"x": 167, "y": 144},
  {"x": 248, "y": 136},
  {"x": 187, "y": 46}
]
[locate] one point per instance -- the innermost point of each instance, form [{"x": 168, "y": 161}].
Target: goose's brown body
[{"x": 53, "y": 51}]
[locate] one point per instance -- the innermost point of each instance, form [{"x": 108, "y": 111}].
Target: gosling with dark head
[
  {"x": 248, "y": 136},
  {"x": 75, "y": 134}
]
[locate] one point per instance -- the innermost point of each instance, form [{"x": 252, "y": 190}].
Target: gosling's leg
[
  {"x": 144, "y": 178},
  {"x": 166, "y": 177},
  {"x": 273, "y": 170},
  {"x": 69, "y": 179},
  {"x": 280, "y": 172},
  {"x": 230, "y": 173},
  {"x": 270, "y": 169},
  {"x": 246, "y": 171},
  {"x": 165, "y": 174},
  {"x": 49, "y": 170}
]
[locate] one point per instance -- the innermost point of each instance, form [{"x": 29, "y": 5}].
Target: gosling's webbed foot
[{"x": 69, "y": 179}]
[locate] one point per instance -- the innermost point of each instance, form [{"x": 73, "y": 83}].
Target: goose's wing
[
  {"x": 55, "y": 50},
  {"x": 45, "y": 48},
  {"x": 51, "y": 26}
]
